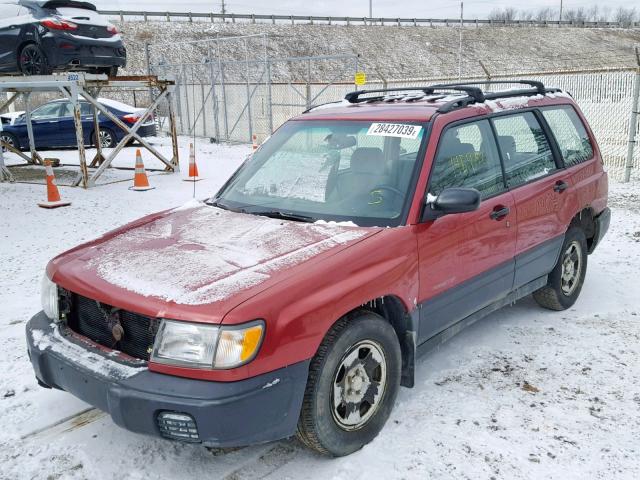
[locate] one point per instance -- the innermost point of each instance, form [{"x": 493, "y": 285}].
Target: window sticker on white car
[{"x": 394, "y": 130}]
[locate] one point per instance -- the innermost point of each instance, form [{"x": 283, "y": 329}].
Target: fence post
[
  {"x": 215, "y": 97},
  {"x": 308, "y": 89},
  {"x": 247, "y": 73},
  {"x": 224, "y": 92},
  {"x": 632, "y": 125},
  {"x": 270, "y": 96},
  {"x": 487, "y": 74}
]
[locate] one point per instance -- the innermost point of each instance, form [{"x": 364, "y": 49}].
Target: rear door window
[
  {"x": 569, "y": 132},
  {"x": 467, "y": 157},
  {"x": 524, "y": 147}
]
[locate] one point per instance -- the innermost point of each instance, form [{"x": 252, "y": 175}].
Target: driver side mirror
[{"x": 451, "y": 200}]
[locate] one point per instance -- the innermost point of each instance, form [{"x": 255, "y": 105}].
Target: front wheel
[
  {"x": 10, "y": 140},
  {"x": 565, "y": 280},
  {"x": 353, "y": 383}
]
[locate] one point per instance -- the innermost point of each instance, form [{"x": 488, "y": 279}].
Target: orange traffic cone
[
  {"x": 53, "y": 196},
  {"x": 255, "y": 142},
  {"x": 193, "y": 168},
  {"x": 140, "y": 180}
]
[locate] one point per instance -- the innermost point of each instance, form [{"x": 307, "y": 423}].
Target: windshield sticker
[{"x": 394, "y": 130}]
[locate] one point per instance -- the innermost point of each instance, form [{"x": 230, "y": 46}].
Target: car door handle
[
  {"x": 499, "y": 213},
  {"x": 560, "y": 186}
]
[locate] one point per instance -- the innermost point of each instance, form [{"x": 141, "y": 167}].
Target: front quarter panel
[{"x": 300, "y": 310}]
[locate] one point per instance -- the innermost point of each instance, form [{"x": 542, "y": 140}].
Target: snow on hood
[{"x": 200, "y": 254}]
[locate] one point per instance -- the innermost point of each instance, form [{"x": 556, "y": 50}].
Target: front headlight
[
  {"x": 200, "y": 345},
  {"x": 49, "y": 298}
]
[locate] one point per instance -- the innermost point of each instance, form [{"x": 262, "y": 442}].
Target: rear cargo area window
[
  {"x": 525, "y": 150},
  {"x": 570, "y": 134}
]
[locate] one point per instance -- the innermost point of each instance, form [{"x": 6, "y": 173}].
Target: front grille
[{"x": 96, "y": 321}]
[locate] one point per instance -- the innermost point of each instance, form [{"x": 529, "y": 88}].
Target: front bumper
[
  {"x": 602, "y": 222},
  {"x": 259, "y": 409}
]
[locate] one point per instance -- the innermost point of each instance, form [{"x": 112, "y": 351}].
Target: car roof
[{"x": 420, "y": 104}]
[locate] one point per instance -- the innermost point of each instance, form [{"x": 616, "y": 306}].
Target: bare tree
[
  {"x": 605, "y": 14},
  {"x": 507, "y": 14},
  {"x": 576, "y": 15},
  {"x": 544, "y": 14},
  {"x": 625, "y": 16},
  {"x": 526, "y": 15}
]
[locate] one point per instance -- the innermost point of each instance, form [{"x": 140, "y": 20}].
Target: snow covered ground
[{"x": 524, "y": 393}]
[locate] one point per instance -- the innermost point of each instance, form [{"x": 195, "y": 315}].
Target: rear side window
[
  {"x": 468, "y": 157},
  {"x": 570, "y": 134},
  {"x": 525, "y": 149}
]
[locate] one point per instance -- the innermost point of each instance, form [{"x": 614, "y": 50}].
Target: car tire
[
  {"x": 33, "y": 61},
  {"x": 10, "y": 139},
  {"x": 107, "y": 138},
  {"x": 357, "y": 367},
  {"x": 567, "y": 277}
]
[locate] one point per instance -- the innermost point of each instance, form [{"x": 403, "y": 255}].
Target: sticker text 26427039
[{"x": 394, "y": 130}]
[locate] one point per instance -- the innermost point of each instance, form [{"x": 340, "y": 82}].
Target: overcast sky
[{"x": 386, "y": 8}]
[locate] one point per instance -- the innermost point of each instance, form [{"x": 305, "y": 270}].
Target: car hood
[{"x": 196, "y": 262}]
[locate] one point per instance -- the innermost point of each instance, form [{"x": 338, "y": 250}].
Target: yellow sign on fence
[{"x": 360, "y": 78}]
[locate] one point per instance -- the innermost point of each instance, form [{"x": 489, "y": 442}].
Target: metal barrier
[{"x": 124, "y": 15}]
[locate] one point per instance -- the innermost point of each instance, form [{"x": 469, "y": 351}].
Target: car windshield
[{"x": 341, "y": 171}]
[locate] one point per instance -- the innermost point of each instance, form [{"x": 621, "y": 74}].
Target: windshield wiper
[
  {"x": 283, "y": 215},
  {"x": 219, "y": 204}
]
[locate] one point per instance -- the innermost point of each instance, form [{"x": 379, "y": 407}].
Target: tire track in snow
[
  {"x": 66, "y": 425},
  {"x": 276, "y": 457}
]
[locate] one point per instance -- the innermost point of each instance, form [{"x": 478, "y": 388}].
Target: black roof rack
[{"x": 474, "y": 94}]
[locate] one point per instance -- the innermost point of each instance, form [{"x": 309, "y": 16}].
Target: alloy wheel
[
  {"x": 8, "y": 140},
  {"x": 571, "y": 268},
  {"x": 359, "y": 385},
  {"x": 106, "y": 139},
  {"x": 32, "y": 61}
]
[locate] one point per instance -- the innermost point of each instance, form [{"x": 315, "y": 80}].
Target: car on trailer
[
  {"x": 54, "y": 126},
  {"x": 39, "y": 37},
  {"x": 297, "y": 299}
]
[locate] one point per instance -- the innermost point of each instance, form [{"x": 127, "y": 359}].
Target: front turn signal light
[{"x": 238, "y": 345}]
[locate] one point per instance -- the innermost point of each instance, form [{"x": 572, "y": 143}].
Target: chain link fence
[
  {"x": 605, "y": 97},
  {"x": 238, "y": 92}
]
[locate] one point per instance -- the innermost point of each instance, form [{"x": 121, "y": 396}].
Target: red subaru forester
[{"x": 297, "y": 299}]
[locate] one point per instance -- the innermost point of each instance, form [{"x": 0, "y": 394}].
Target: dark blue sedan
[{"x": 53, "y": 125}]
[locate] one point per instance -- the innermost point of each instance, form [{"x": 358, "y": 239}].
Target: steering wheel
[{"x": 389, "y": 188}]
